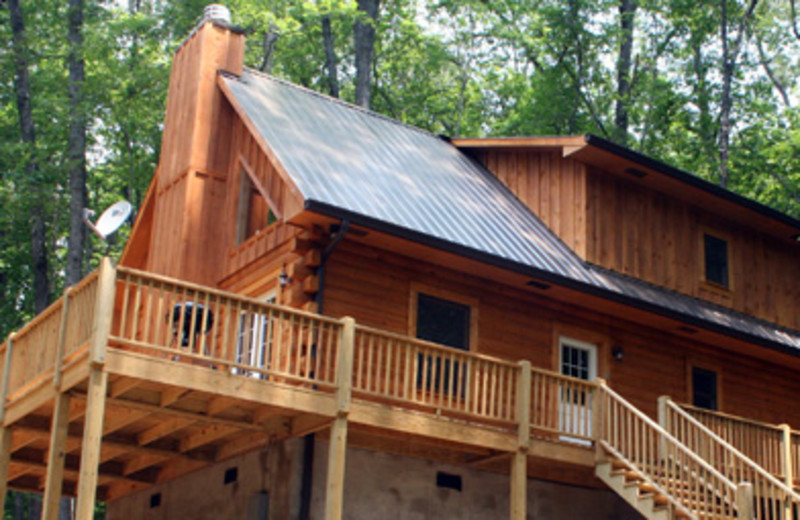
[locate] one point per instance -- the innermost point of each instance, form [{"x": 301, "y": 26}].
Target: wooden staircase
[
  {"x": 657, "y": 474},
  {"x": 635, "y": 489}
]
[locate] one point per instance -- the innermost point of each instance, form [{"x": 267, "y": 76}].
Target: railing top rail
[
  {"x": 732, "y": 417},
  {"x": 668, "y": 436},
  {"x": 433, "y": 346},
  {"x": 85, "y": 281},
  {"x": 224, "y": 294},
  {"x": 757, "y": 468},
  {"x": 52, "y": 308}
]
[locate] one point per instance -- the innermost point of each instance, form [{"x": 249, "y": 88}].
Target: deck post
[
  {"x": 744, "y": 501},
  {"x": 337, "y": 450},
  {"x": 598, "y": 418},
  {"x": 92, "y": 439},
  {"x": 54, "y": 479},
  {"x": 6, "y": 376},
  {"x": 519, "y": 461},
  {"x": 663, "y": 421},
  {"x": 62, "y": 338},
  {"x": 5, "y": 459},
  {"x": 103, "y": 311}
]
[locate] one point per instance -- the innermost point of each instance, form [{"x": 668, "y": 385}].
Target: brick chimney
[{"x": 195, "y": 152}]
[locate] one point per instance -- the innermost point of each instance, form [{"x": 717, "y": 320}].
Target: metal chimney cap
[{"x": 217, "y": 12}]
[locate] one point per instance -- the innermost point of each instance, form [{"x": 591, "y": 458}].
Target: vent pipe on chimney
[{"x": 217, "y": 12}]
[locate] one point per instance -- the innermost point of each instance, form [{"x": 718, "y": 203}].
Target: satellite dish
[{"x": 111, "y": 219}]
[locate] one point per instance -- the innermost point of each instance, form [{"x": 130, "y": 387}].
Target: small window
[
  {"x": 443, "y": 321},
  {"x": 716, "y": 259},
  {"x": 253, "y": 213},
  {"x": 704, "y": 388}
]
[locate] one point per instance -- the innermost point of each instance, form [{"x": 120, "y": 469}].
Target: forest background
[{"x": 708, "y": 86}]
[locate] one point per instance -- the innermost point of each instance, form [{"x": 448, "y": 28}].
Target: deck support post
[
  {"x": 5, "y": 459},
  {"x": 744, "y": 501},
  {"x": 54, "y": 479},
  {"x": 334, "y": 490},
  {"x": 5, "y": 432},
  {"x": 519, "y": 461},
  {"x": 92, "y": 439}
]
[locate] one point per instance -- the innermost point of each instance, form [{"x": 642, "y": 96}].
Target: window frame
[
  {"x": 247, "y": 183},
  {"x": 708, "y": 367},
  {"x": 704, "y": 281},
  {"x": 443, "y": 294}
]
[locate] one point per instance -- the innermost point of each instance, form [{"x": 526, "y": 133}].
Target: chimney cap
[{"x": 217, "y": 13}]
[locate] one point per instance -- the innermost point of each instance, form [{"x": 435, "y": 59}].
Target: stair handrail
[
  {"x": 728, "y": 494},
  {"x": 733, "y": 452}
]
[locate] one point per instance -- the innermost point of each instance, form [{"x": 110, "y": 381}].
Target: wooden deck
[{"x": 133, "y": 379}]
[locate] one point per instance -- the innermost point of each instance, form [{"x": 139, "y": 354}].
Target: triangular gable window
[{"x": 254, "y": 213}]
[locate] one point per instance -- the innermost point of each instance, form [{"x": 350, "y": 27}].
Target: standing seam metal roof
[{"x": 350, "y": 160}]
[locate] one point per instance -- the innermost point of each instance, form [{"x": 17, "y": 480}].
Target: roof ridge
[{"x": 331, "y": 99}]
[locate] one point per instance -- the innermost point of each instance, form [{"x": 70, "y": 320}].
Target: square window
[{"x": 716, "y": 260}]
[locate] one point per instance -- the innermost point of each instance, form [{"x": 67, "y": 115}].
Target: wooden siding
[
  {"x": 374, "y": 286},
  {"x": 615, "y": 223},
  {"x": 547, "y": 183},
  {"x": 642, "y": 233}
]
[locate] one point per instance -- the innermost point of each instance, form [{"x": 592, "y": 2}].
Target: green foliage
[{"x": 461, "y": 68}]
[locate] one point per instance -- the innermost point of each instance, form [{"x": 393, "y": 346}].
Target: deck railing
[
  {"x": 689, "y": 484},
  {"x": 183, "y": 321},
  {"x": 398, "y": 368},
  {"x": 776, "y": 448},
  {"x": 57, "y": 333},
  {"x": 772, "y": 498},
  {"x": 561, "y": 406}
]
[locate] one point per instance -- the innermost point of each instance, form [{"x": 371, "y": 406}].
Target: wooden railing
[
  {"x": 689, "y": 484},
  {"x": 183, "y": 321},
  {"x": 60, "y": 330},
  {"x": 776, "y": 448},
  {"x": 398, "y": 368},
  {"x": 561, "y": 406},
  {"x": 772, "y": 498}
]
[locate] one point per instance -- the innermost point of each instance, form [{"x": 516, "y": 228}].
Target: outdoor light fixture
[
  {"x": 618, "y": 353},
  {"x": 283, "y": 278}
]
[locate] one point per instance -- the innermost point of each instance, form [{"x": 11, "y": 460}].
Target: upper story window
[
  {"x": 253, "y": 212},
  {"x": 717, "y": 266}
]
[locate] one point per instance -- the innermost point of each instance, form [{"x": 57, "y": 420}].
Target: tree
[
  {"x": 364, "y": 37},
  {"x": 77, "y": 144}
]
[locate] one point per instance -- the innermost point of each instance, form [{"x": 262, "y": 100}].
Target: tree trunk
[
  {"x": 627, "y": 15},
  {"x": 77, "y": 144},
  {"x": 330, "y": 56},
  {"x": 364, "y": 33},
  {"x": 730, "y": 56},
  {"x": 37, "y": 223}
]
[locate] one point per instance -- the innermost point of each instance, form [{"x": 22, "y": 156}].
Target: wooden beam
[
  {"x": 162, "y": 429},
  {"x": 205, "y": 436},
  {"x": 103, "y": 312},
  {"x": 519, "y": 485},
  {"x": 219, "y": 404},
  {"x": 172, "y": 394},
  {"x": 293, "y": 399},
  {"x": 34, "y": 466},
  {"x": 5, "y": 459},
  {"x": 56, "y": 453},
  {"x": 143, "y": 462},
  {"x": 92, "y": 438},
  {"x": 122, "y": 385}
]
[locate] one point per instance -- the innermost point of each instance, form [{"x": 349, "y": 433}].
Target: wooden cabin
[{"x": 324, "y": 313}]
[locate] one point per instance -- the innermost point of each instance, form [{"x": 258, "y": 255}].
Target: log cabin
[{"x": 324, "y": 313}]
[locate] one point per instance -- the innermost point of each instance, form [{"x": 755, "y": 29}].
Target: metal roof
[{"x": 352, "y": 163}]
